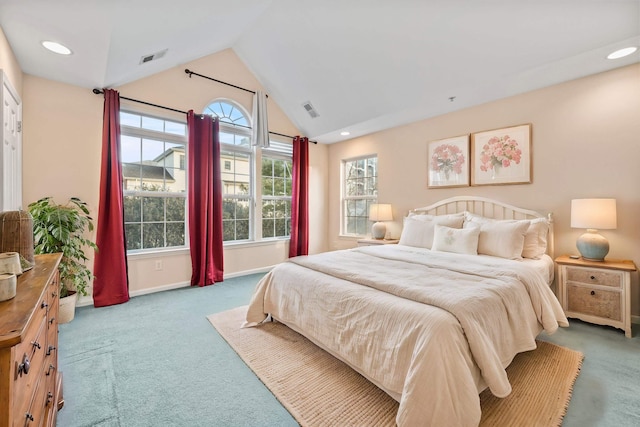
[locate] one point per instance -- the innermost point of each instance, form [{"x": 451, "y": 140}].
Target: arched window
[
  {"x": 256, "y": 182},
  {"x": 228, "y": 112},
  {"x": 236, "y": 166}
]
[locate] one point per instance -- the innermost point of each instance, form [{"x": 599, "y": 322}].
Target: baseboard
[
  {"x": 84, "y": 301},
  {"x": 635, "y": 319}
]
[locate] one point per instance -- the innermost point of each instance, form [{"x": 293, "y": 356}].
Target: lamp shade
[
  {"x": 594, "y": 213},
  {"x": 380, "y": 212}
]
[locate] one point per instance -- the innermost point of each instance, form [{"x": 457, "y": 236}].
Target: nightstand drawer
[
  {"x": 594, "y": 302},
  {"x": 595, "y": 277}
]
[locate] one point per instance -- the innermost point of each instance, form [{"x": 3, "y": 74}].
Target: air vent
[
  {"x": 153, "y": 56},
  {"x": 312, "y": 111}
]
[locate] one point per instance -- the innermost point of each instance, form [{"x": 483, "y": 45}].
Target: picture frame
[
  {"x": 448, "y": 162},
  {"x": 501, "y": 156}
]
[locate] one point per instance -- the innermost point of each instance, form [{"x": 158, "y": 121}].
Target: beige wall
[
  {"x": 62, "y": 149},
  {"x": 9, "y": 64},
  {"x": 586, "y": 143}
]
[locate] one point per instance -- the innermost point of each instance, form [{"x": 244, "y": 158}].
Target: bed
[{"x": 434, "y": 320}]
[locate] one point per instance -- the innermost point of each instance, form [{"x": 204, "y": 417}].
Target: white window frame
[
  {"x": 137, "y": 132},
  {"x": 345, "y": 199},
  {"x": 280, "y": 150}
]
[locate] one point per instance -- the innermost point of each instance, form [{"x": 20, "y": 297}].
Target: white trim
[{"x": 88, "y": 300}]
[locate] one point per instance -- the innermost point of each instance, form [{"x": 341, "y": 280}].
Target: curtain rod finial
[
  {"x": 186, "y": 70},
  {"x": 97, "y": 91}
]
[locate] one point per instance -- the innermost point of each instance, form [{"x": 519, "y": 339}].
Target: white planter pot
[{"x": 67, "y": 309}]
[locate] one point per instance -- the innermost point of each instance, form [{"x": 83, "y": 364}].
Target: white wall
[
  {"x": 62, "y": 149},
  {"x": 585, "y": 144}
]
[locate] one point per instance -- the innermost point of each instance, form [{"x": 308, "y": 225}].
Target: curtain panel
[
  {"x": 299, "y": 242},
  {"x": 111, "y": 283},
  {"x": 205, "y": 200}
]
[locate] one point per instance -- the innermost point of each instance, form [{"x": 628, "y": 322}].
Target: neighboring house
[{"x": 169, "y": 167}]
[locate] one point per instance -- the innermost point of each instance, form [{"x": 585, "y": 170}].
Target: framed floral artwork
[
  {"x": 449, "y": 162},
  {"x": 501, "y": 156}
]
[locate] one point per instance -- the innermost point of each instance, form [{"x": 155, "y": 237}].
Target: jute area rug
[{"x": 319, "y": 390}]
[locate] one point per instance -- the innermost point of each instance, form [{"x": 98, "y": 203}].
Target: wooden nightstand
[
  {"x": 373, "y": 242},
  {"x": 596, "y": 291}
]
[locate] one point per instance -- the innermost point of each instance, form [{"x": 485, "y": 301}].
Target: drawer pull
[
  {"x": 29, "y": 416},
  {"x": 51, "y": 367},
  {"x": 593, "y": 292},
  {"x": 44, "y": 305},
  {"x": 593, "y": 277},
  {"x": 24, "y": 366},
  {"x": 49, "y": 398},
  {"x": 36, "y": 345},
  {"x": 50, "y": 349},
  {"x": 53, "y": 319}
]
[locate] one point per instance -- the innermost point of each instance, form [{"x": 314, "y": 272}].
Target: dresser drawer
[
  {"x": 594, "y": 302},
  {"x": 30, "y": 352},
  {"x": 595, "y": 277}
]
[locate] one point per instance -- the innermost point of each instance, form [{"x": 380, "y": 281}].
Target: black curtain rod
[
  {"x": 193, "y": 73},
  {"x": 98, "y": 92}
]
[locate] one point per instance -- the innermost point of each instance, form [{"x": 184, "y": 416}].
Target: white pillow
[
  {"x": 417, "y": 230},
  {"x": 504, "y": 239},
  {"x": 456, "y": 240},
  {"x": 535, "y": 239}
]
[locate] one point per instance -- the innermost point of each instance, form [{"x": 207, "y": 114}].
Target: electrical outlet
[{"x": 158, "y": 265}]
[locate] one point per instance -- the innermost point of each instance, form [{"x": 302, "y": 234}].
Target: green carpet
[{"x": 156, "y": 361}]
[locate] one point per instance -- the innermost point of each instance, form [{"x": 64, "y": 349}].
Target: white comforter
[{"x": 431, "y": 329}]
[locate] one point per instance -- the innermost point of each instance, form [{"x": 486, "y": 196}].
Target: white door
[{"x": 11, "y": 176}]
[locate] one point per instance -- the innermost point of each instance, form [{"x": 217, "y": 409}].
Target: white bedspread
[{"x": 432, "y": 329}]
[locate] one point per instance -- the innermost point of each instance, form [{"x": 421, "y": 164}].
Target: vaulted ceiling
[{"x": 364, "y": 65}]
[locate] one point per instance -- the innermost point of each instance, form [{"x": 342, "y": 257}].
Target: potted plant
[{"x": 61, "y": 229}]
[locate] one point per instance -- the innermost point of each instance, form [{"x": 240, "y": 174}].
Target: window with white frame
[
  {"x": 359, "y": 191},
  {"x": 241, "y": 222},
  {"x": 276, "y": 189},
  {"x": 236, "y": 157},
  {"x": 154, "y": 180}
]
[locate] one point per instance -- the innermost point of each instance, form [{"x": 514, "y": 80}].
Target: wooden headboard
[{"x": 488, "y": 208}]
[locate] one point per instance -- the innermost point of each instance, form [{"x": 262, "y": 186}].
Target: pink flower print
[{"x": 447, "y": 158}]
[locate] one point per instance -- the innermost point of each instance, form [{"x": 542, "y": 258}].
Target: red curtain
[
  {"x": 205, "y": 200},
  {"x": 111, "y": 283},
  {"x": 299, "y": 243}
]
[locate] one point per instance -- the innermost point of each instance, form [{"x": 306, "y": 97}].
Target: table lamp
[
  {"x": 379, "y": 213},
  {"x": 593, "y": 214}
]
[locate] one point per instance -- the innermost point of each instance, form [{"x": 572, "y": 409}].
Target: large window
[
  {"x": 359, "y": 191},
  {"x": 154, "y": 181},
  {"x": 276, "y": 190},
  {"x": 240, "y": 192},
  {"x": 236, "y": 157}
]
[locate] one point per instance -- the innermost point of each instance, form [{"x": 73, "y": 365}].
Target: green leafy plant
[{"x": 61, "y": 228}]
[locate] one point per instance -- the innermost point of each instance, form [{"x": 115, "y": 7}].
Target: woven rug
[{"x": 319, "y": 390}]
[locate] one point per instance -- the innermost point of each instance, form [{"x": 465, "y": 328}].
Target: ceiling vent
[
  {"x": 152, "y": 57},
  {"x": 312, "y": 111}
]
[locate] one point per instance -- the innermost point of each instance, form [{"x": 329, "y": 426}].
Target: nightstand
[
  {"x": 374, "y": 242},
  {"x": 596, "y": 291}
]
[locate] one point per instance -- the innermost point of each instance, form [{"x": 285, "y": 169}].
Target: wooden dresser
[{"x": 30, "y": 384}]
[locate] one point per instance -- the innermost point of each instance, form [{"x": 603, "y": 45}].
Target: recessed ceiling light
[
  {"x": 622, "y": 52},
  {"x": 56, "y": 47},
  {"x": 345, "y": 133}
]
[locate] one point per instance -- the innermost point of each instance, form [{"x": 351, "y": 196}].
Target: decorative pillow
[
  {"x": 457, "y": 240},
  {"x": 417, "y": 230},
  {"x": 504, "y": 239},
  {"x": 535, "y": 239}
]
